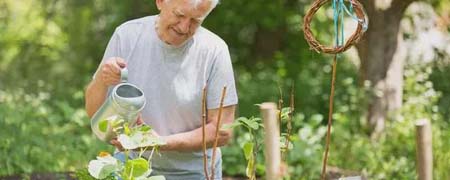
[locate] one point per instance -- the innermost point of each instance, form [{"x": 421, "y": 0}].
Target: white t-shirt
[{"x": 172, "y": 80}]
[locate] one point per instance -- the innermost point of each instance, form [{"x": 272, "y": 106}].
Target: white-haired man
[{"x": 171, "y": 57}]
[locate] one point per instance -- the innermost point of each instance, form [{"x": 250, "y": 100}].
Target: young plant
[
  {"x": 137, "y": 138},
  {"x": 285, "y": 138},
  {"x": 252, "y": 145}
]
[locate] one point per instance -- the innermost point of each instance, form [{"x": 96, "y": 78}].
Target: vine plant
[{"x": 136, "y": 138}]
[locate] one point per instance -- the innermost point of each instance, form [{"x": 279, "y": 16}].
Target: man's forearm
[
  {"x": 95, "y": 96},
  {"x": 192, "y": 140}
]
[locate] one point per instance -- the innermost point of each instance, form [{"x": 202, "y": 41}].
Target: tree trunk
[{"x": 382, "y": 58}]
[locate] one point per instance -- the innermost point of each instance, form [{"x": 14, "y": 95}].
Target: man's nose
[{"x": 184, "y": 25}]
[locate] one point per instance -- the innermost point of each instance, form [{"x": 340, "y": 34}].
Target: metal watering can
[{"x": 123, "y": 105}]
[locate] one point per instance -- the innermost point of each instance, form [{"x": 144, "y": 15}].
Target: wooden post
[
  {"x": 424, "y": 148},
  {"x": 271, "y": 140}
]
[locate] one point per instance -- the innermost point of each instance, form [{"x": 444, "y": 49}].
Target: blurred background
[{"x": 397, "y": 74}]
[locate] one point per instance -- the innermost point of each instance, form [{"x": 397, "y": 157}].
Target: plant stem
[
  {"x": 151, "y": 153},
  {"x": 142, "y": 151},
  {"x": 280, "y": 108},
  {"x": 219, "y": 116},
  {"x": 126, "y": 155},
  {"x": 289, "y": 123},
  {"x": 255, "y": 153},
  {"x": 126, "y": 160}
]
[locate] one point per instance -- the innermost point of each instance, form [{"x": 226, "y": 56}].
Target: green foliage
[
  {"x": 103, "y": 126},
  {"x": 50, "y": 49},
  {"x": 393, "y": 154},
  {"x": 42, "y": 134},
  {"x": 83, "y": 174},
  {"x": 352, "y": 149},
  {"x": 131, "y": 138},
  {"x": 251, "y": 145},
  {"x": 135, "y": 167}
]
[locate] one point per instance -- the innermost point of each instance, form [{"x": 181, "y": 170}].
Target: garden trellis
[{"x": 356, "y": 11}]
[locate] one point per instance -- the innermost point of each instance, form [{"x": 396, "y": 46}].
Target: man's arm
[
  {"x": 95, "y": 96},
  {"x": 107, "y": 75},
  {"x": 192, "y": 140}
]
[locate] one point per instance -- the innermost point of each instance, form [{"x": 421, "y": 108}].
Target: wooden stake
[
  {"x": 280, "y": 107},
  {"x": 271, "y": 140},
  {"x": 289, "y": 123},
  {"x": 216, "y": 138},
  {"x": 424, "y": 150},
  {"x": 330, "y": 120},
  {"x": 204, "y": 112}
]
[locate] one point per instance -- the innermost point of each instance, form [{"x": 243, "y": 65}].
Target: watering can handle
[{"x": 124, "y": 75}]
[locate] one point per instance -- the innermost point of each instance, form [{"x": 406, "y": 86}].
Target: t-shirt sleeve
[
  {"x": 113, "y": 49},
  {"x": 221, "y": 75}
]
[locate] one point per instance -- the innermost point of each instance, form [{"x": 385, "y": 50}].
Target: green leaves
[
  {"x": 139, "y": 140},
  {"x": 252, "y": 123},
  {"x": 248, "y": 150},
  {"x": 135, "y": 137},
  {"x": 136, "y": 167},
  {"x": 250, "y": 145},
  {"x": 250, "y": 157},
  {"x": 250, "y": 167},
  {"x": 114, "y": 123},
  {"x": 144, "y": 128},
  {"x": 103, "y": 166},
  {"x": 103, "y": 125},
  {"x": 283, "y": 146},
  {"x": 285, "y": 113},
  {"x": 231, "y": 126}
]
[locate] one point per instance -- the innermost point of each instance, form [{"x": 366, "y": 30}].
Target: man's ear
[{"x": 160, "y": 4}]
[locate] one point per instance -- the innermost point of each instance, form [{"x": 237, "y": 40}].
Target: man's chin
[{"x": 177, "y": 43}]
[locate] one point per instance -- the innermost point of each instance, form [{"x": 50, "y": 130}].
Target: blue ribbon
[{"x": 339, "y": 7}]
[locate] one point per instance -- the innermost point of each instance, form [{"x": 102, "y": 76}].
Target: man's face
[{"x": 179, "y": 19}]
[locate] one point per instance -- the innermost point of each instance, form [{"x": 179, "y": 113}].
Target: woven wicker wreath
[{"x": 314, "y": 44}]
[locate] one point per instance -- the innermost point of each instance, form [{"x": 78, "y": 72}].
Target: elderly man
[{"x": 171, "y": 58}]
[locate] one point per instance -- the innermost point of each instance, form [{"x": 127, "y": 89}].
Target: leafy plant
[
  {"x": 42, "y": 133},
  {"x": 138, "y": 138},
  {"x": 252, "y": 144}
]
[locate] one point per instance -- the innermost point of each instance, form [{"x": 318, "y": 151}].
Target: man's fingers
[
  {"x": 110, "y": 71},
  {"x": 224, "y": 137},
  {"x": 224, "y": 133},
  {"x": 117, "y": 144},
  {"x": 115, "y": 67},
  {"x": 114, "y": 142},
  {"x": 116, "y": 64},
  {"x": 121, "y": 62},
  {"x": 139, "y": 120}
]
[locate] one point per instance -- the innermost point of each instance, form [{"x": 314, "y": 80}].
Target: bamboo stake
[
  {"x": 204, "y": 112},
  {"x": 289, "y": 123},
  {"x": 219, "y": 118},
  {"x": 424, "y": 150},
  {"x": 330, "y": 120},
  {"x": 271, "y": 140},
  {"x": 280, "y": 107}
]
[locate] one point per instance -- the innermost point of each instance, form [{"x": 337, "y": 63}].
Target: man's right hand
[{"x": 109, "y": 72}]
